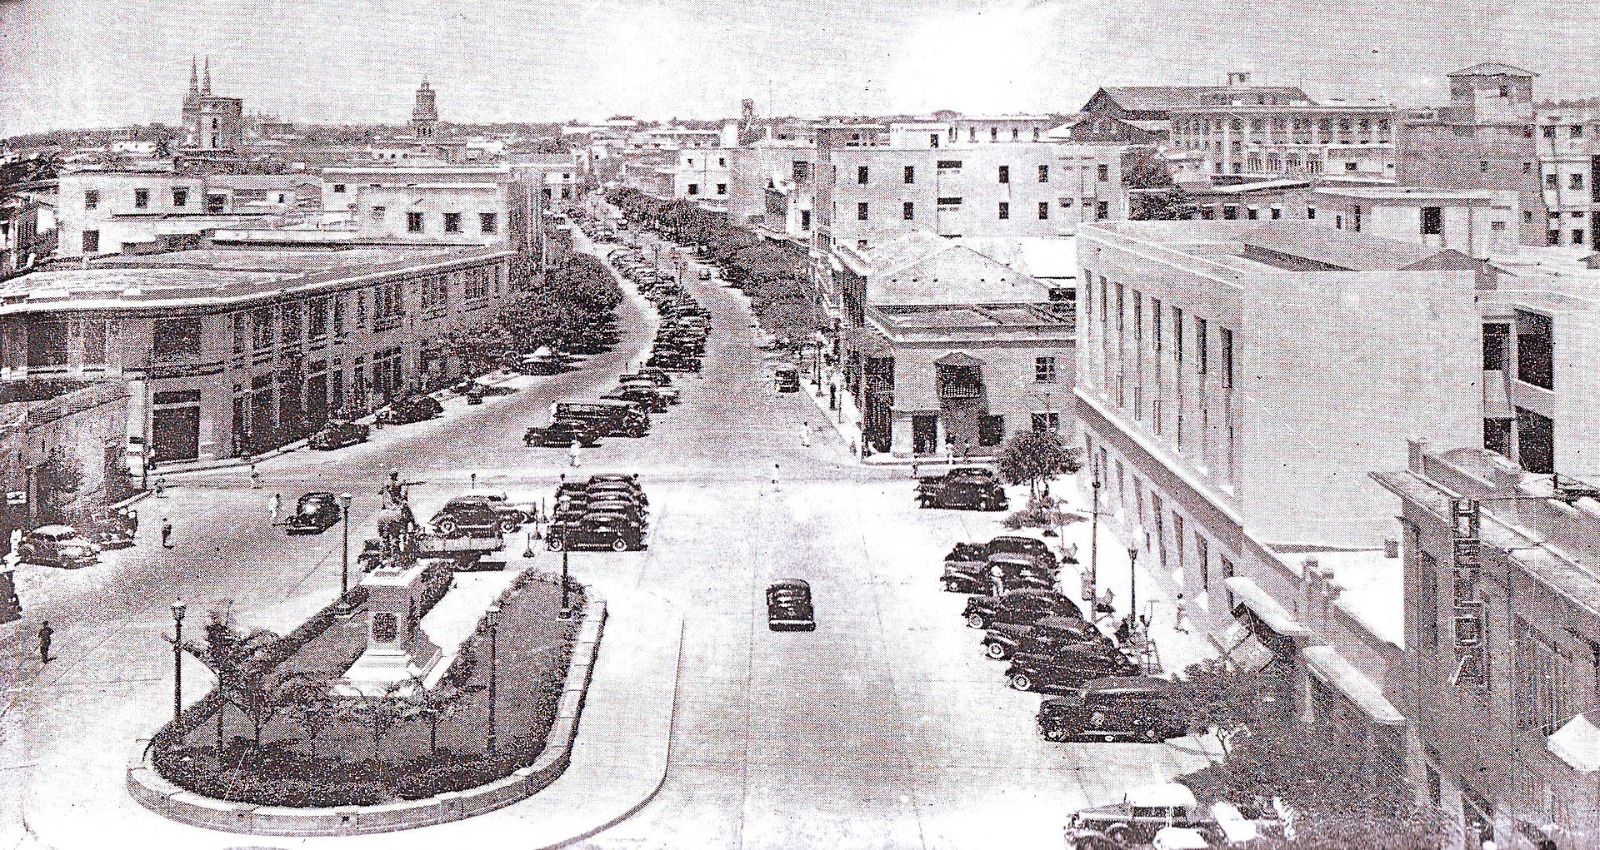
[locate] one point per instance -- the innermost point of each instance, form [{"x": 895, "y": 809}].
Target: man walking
[
  {"x": 1180, "y": 616},
  {"x": 574, "y": 452},
  {"x": 255, "y": 477},
  {"x": 805, "y": 434},
  {"x": 166, "y": 533},
  {"x": 275, "y": 507},
  {"x": 45, "y": 633}
]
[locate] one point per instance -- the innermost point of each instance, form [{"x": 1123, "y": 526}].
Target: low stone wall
[{"x": 164, "y": 798}]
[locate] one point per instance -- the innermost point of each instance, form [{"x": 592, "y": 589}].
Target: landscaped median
[{"x": 331, "y": 764}]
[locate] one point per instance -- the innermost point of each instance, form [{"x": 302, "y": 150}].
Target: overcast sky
[{"x": 94, "y": 63}]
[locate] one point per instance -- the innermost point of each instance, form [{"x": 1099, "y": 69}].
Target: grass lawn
[{"x": 340, "y": 765}]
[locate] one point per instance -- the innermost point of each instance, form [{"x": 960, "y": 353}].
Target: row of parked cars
[
  {"x": 1096, "y": 690},
  {"x": 608, "y": 511}
]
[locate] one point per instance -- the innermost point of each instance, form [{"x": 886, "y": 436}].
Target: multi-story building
[
  {"x": 108, "y": 212},
  {"x": 211, "y": 123},
  {"x": 1568, "y": 147},
  {"x": 477, "y": 203},
  {"x": 1483, "y": 140},
  {"x": 1148, "y": 109},
  {"x": 1477, "y": 223},
  {"x": 1236, "y": 382},
  {"x": 229, "y": 350},
  {"x": 1502, "y": 645},
  {"x": 1245, "y": 141},
  {"x": 768, "y": 171}
]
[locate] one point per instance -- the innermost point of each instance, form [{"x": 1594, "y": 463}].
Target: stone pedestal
[{"x": 396, "y": 650}]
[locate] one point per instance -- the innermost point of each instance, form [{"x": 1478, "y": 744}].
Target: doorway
[{"x": 924, "y": 433}]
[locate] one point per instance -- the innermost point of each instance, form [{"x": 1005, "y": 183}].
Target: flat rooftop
[
  {"x": 1286, "y": 246},
  {"x": 209, "y": 276},
  {"x": 1405, "y": 193},
  {"x": 976, "y": 316}
]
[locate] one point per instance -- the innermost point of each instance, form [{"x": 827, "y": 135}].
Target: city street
[{"x": 886, "y": 727}]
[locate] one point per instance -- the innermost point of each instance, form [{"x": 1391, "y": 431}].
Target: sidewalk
[{"x": 619, "y": 761}]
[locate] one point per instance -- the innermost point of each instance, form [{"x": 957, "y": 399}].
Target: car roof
[
  {"x": 1127, "y": 685},
  {"x": 306, "y": 497},
  {"x": 789, "y": 582},
  {"x": 54, "y": 531},
  {"x": 1013, "y": 558},
  {"x": 1034, "y": 593},
  {"x": 1065, "y": 623}
]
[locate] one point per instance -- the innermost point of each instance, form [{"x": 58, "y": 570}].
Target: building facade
[
  {"x": 1568, "y": 145},
  {"x": 1253, "y": 142},
  {"x": 211, "y": 123},
  {"x": 111, "y": 212}
]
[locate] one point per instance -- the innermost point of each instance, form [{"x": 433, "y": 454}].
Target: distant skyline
[{"x": 101, "y": 63}]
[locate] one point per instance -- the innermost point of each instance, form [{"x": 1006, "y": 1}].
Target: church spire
[
  {"x": 194, "y": 75},
  {"x": 205, "y": 87}
]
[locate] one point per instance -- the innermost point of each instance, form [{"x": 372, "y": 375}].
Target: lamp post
[
  {"x": 1133, "y": 588},
  {"x": 566, "y": 610},
  {"x": 1094, "y": 535},
  {"x": 493, "y": 620},
  {"x": 344, "y": 553},
  {"x": 177, "y": 659}
]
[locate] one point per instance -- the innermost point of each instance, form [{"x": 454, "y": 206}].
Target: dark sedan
[
  {"x": 1019, "y": 606},
  {"x": 789, "y": 606},
  {"x": 1140, "y": 708},
  {"x": 314, "y": 513},
  {"x": 560, "y": 434},
  {"x": 595, "y": 531},
  {"x": 339, "y": 433},
  {"x": 1065, "y": 670}
]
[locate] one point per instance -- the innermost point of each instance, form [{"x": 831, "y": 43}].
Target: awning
[
  {"x": 1577, "y": 742},
  {"x": 1274, "y": 615},
  {"x": 1242, "y": 650},
  {"x": 1327, "y": 664}
]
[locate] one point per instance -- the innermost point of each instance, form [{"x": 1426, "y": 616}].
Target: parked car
[
  {"x": 997, "y": 574},
  {"x": 472, "y": 517},
  {"x": 705, "y": 272},
  {"x": 669, "y": 395},
  {"x": 1019, "y": 606},
  {"x": 112, "y": 528},
  {"x": 595, "y": 531},
  {"x": 610, "y": 417},
  {"x": 57, "y": 546},
  {"x": 598, "y": 486},
  {"x": 1024, "y": 545},
  {"x": 964, "y": 494},
  {"x": 645, "y": 397},
  {"x": 338, "y": 433},
  {"x": 1049, "y": 636},
  {"x": 1065, "y": 669},
  {"x": 787, "y": 379},
  {"x": 474, "y": 393},
  {"x": 314, "y": 513},
  {"x": 1133, "y": 822},
  {"x": 561, "y": 433},
  {"x": 789, "y": 606},
  {"x": 1132, "y": 707},
  {"x": 519, "y": 510},
  {"x": 927, "y": 483},
  {"x": 413, "y": 408}
]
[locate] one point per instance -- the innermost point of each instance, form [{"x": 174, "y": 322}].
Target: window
[
  {"x": 1226, "y": 339},
  {"x": 240, "y": 331},
  {"x": 1202, "y": 551},
  {"x": 861, "y": 175},
  {"x": 1277, "y": 213},
  {"x": 1577, "y": 237},
  {"x": 1575, "y": 181},
  {"x": 215, "y": 204},
  {"x": 1552, "y": 237},
  {"x": 694, "y": 188},
  {"x": 994, "y": 134},
  {"x": 1311, "y": 213},
  {"x": 933, "y": 140},
  {"x": 413, "y": 222},
  {"x": 91, "y": 242},
  {"x": 180, "y": 197},
  {"x": 1551, "y": 182},
  {"x": 1005, "y": 174},
  {"x": 1046, "y": 423},
  {"x": 338, "y": 315},
  {"x": 1044, "y": 210},
  {"x": 487, "y": 222},
  {"x": 722, "y": 162},
  {"x": 1432, "y": 221},
  {"x": 94, "y": 342},
  {"x": 1102, "y": 173},
  {"x": 1102, "y": 210},
  {"x": 1044, "y": 370},
  {"x": 1200, "y": 345},
  {"x": 1005, "y": 210},
  {"x": 172, "y": 339},
  {"x": 861, "y": 211},
  {"x": 91, "y": 199},
  {"x": 1177, "y": 333},
  {"x": 800, "y": 170},
  {"x": 1577, "y": 131},
  {"x": 1541, "y": 696},
  {"x": 1044, "y": 174},
  {"x": 317, "y": 319},
  {"x": 722, "y": 188},
  {"x": 141, "y": 198},
  {"x": 911, "y": 173},
  {"x": 991, "y": 430},
  {"x": 291, "y": 323},
  {"x": 262, "y": 328},
  {"x": 947, "y": 164},
  {"x": 452, "y": 222},
  {"x": 908, "y": 210},
  {"x": 1155, "y": 323}
]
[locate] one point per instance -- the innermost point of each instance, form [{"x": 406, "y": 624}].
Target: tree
[
  {"x": 1161, "y": 205},
  {"x": 308, "y": 697},
  {"x": 243, "y": 663},
  {"x": 1144, "y": 168},
  {"x": 57, "y": 480},
  {"x": 1034, "y": 457},
  {"x": 380, "y": 713}
]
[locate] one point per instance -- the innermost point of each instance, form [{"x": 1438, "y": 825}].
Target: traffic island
[{"x": 320, "y": 755}]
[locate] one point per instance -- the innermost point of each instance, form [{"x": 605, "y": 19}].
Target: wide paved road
[{"x": 884, "y": 728}]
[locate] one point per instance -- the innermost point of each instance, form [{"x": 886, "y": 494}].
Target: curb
[{"x": 157, "y": 794}]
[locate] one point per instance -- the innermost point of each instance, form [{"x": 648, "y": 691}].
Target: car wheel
[
  {"x": 1122, "y": 834},
  {"x": 950, "y": 586},
  {"x": 1108, "y": 738},
  {"x": 509, "y": 525},
  {"x": 1055, "y": 734},
  {"x": 553, "y": 543},
  {"x": 1150, "y": 735},
  {"x": 448, "y": 527},
  {"x": 1021, "y": 682},
  {"x": 977, "y": 621},
  {"x": 997, "y": 651},
  {"x": 619, "y": 545}
]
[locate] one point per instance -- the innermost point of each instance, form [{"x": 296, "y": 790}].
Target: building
[
  {"x": 1476, "y": 223},
  {"x": 127, "y": 210},
  {"x": 1568, "y": 145},
  {"x": 944, "y": 349},
  {"x": 1483, "y": 140},
  {"x": 771, "y": 184},
  {"x": 1246, "y": 141},
  {"x": 1148, "y": 109},
  {"x": 211, "y": 123},
  {"x": 19, "y": 234},
  {"x": 489, "y": 203},
  {"x": 1502, "y": 636},
  {"x": 83, "y": 422},
  {"x": 239, "y": 347}
]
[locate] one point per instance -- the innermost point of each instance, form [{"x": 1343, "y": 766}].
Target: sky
[{"x": 100, "y": 63}]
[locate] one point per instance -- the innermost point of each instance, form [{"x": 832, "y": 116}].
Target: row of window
[
  {"x": 908, "y": 175},
  {"x": 1129, "y": 487},
  {"x": 416, "y": 221},
  {"x": 215, "y": 203},
  {"x": 1196, "y": 328},
  {"x": 1280, "y": 125},
  {"x": 908, "y": 209},
  {"x": 694, "y": 189}
]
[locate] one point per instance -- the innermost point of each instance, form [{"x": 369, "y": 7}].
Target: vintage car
[
  {"x": 1024, "y": 545},
  {"x": 604, "y": 483},
  {"x": 1134, "y": 822},
  {"x": 1066, "y": 668},
  {"x": 474, "y": 393},
  {"x": 669, "y": 395},
  {"x": 468, "y": 516},
  {"x": 1139, "y": 708},
  {"x": 1045, "y": 637},
  {"x": 543, "y": 361},
  {"x": 412, "y": 408},
  {"x": 789, "y": 606},
  {"x": 928, "y": 483},
  {"x": 996, "y": 574},
  {"x": 964, "y": 494},
  {"x": 337, "y": 434},
  {"x": 787, "y": 379},
  {"x": 660, "y": 376},
  {"x": 1022, "y": 607},
  {"x": 314, "y": 513},
  {"x": 645, "y": 397},
  {"x": 112, "y": 528},
  {"x": 57, "y": 546},
  {"x": 621, "y": 507},
  {"x": 609, "y": 417},
  {"x": 595, "y": 531},
  {"x": 560, "y": 434}
]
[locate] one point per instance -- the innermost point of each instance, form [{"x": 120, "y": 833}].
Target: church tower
[
  {"x": 425, "y": 115},
  {"x": 211, "y": 123}
]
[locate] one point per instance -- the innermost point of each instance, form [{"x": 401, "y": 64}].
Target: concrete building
[
  {"x": 1483, "y": 140},
  {"x": 19, "y": 234},
  {"x": 1475, "y": 223},
  {"x": 1568, "y": 146},
  {"x": 1254, "y": 142},
  {"x": 768, "y": 166},
  {"x": 211, "y": 123},
  {"x": 84, "y": 422},
  {"x": 489, "y": 203},
  {"x": 1502, "y": 637},
  {"x": 116, "y": 211},
  {"x": 1149, "y": 108},
  {"x": 226, "y": 350}
]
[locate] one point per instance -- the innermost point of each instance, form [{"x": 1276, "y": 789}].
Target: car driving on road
[
  {"x": 789, "y": 606},
  {"x": 560, "y": 434},
  {"x": 314, "y": 513}
]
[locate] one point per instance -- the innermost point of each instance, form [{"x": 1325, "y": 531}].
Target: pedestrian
[
  {"x": 14, "y": 554},
  {"x": 45, "y": 633},
  {"x": 255, "y": 476},
  {"x": 1180, "y": 616},
  {"x": 1124, "y": 629},
  {"x": 775, "y": 468},
  {"x": 275, "y": 507},
  {"x": 474, "y": 484},
  {"x": 574, "y": 452},
  {"x": 166, "y": 533},
  {"x": 805, "y": 433},
  {"x": 160, "y": 486}
]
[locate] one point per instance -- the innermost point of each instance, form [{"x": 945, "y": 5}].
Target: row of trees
[{"x": 772, "y": 274}]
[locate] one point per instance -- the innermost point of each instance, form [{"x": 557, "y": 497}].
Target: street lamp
[
  {"x": 177, "y": 660},
  {"x": 566, "y": 610},
  {"x": 344, "y": 554},
  {"x": 1094, "y": 535},
  {"x": 493, "y": 619},
  {"x": 1133, "y": 589}
]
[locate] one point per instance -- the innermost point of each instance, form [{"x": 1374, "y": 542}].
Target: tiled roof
[
  {"x": 1490, "y": 69},
  {"x": 1155, "y": 98},
  {"x": 923, "y": 268}
]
